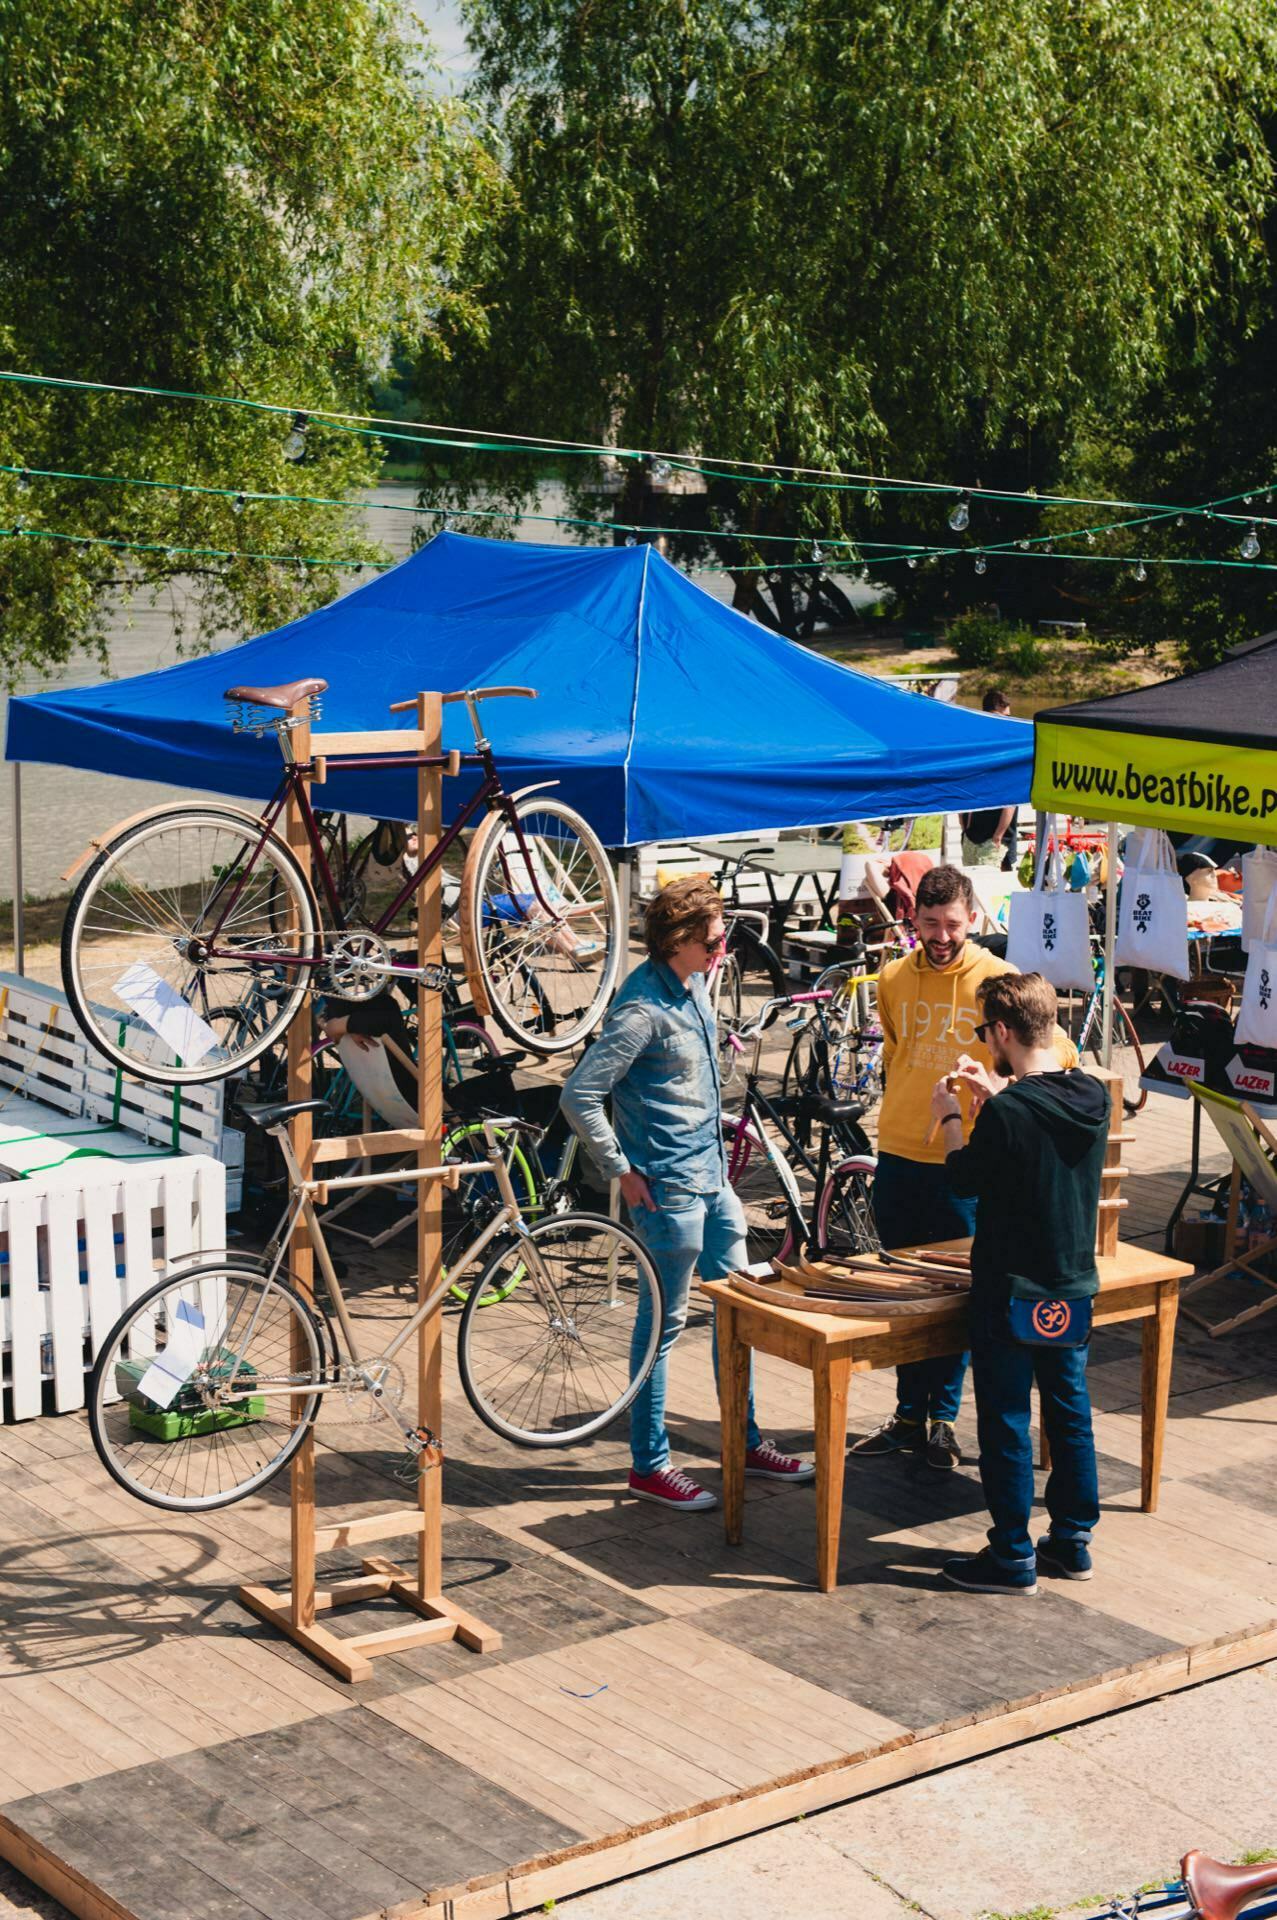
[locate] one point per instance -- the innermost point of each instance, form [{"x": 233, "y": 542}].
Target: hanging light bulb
[
  {"x": 295, "y": 444},
  {"x": 817, "y": 553},
  {"x": 662, "y": 472},
  {"x": 1245, "y": 499},
  {"x": 1141, "y": 571},
  {"x": 631, "y": 540},
  {"x": 1179, "y": 519},
  {"x": 172, "y": 553},
  {"x": 1023, "y": 545},
  {"x": 1049, "y": 547},
  {"x": 1090, "y": 538},
  {"x": 1249, "y": 548},
  {"x": 239, "y": 503},
  {"x": 960, "y": 513},
  {"x": 912, "y": 561},
  {"x": 19, "y": 524},
  {"x": 981, "y": 564},
  {"x": 24, "y": 480},
  {"x": 300, "y": 568}
]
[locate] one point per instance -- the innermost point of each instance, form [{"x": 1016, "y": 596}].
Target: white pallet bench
[{"x": 105, "y": 1184}]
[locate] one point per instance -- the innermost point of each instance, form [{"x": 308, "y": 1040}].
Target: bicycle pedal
[{"x": 423, "y": 1451}]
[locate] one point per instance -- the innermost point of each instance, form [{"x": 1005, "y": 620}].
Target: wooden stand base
[{"x": 350, "y": 1656}]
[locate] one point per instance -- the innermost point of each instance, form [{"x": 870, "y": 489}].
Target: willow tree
[
  {"x": 241, "y": 197},
  {"x": 915, "y": 238}
]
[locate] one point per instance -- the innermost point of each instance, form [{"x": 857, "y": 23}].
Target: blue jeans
[
  {"x": 1004, "y": 1372},
  {"x": 913, "y": 1206},
  {"x": 689, "y": 1230}
]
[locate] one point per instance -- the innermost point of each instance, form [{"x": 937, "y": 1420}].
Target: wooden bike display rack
[{"x": 421, "y": 1592}]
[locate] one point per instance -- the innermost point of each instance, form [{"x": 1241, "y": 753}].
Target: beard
[
  {"x": 1001, "y": 1065},
  {"x": 943, "y": 953}
]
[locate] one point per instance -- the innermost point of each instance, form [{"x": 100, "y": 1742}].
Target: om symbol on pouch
[
  {"x": 1143, "y": 913},
  {"x": 1051, "y": 1318}
]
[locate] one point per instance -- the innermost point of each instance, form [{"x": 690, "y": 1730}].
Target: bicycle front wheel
[
  {"x": 759, "y": 1187},
  {"x": 845, "y": 1216},
  {"x": 541, "y": 924},
  {"x": 205, "y": 1387},
  {"x": 563, "y": 1354},
  {"x": 168, "y": 947}
]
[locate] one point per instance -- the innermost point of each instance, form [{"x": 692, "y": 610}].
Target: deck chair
[
  {"x": 1253, "y": 1147},
  {"x": 371, "y": 1075}
]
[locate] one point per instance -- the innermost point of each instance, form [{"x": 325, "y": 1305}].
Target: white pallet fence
[
  {"x": 77, "y": 1244},
  {"x": 105, "y": 1183}
]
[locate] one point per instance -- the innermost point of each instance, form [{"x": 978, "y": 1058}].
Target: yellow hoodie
[{"x": 929, "y": 1017}]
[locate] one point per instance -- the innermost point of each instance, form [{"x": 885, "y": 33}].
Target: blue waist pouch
[{"x": 1050, "y": 1323}]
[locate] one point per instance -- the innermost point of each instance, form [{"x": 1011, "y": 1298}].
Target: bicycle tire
[
  {"x": 545, "y": 983},
  {"x": 1127, "y": 1057},
  {"x": 126, "y": 1448},
  {"x": 464, "y": 1211},
  {"x": 751, "y": 1173},
  {"x": 259, "y": 1002},
  {"x": 594, "y": 1262},
  {"x": 844, "y": 1214}
]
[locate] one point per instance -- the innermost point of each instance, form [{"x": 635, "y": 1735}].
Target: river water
[{"x": 62, "y": 807}]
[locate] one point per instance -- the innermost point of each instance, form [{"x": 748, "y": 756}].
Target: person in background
[
  {"x": 657, "y": 1057},
  {"x": 1033, "y": 1162},
  {"x": 989, "y": 838},
  {"x": 929, "y": 1009}
]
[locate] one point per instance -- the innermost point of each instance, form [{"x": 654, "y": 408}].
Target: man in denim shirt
[{"x": 657, "y": 1057}]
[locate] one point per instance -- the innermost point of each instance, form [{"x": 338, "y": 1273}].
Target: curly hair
[{"x": 680, "y": 912}]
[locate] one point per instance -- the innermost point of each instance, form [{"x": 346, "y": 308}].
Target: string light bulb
[
  {"x": 960, "y": 513},
  {"x": 1249, "y": 548},
  {"x": 662, "y": 472},
  {"x": 24, "y": 481},
  {"x": 295, "y": 444},
  {"x": 239, "y": 503},
  {"x": 912, "y": 561},
  {"x": 981, "y": 564},
  {"x": 631, "y": 539},
  {"x": 817, "y": 553},
  {"x": 1141, "y": 571}
]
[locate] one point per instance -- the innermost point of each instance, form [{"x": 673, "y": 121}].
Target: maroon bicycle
[{"x": 195, "y": 934}]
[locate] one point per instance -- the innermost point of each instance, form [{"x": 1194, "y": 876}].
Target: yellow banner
[{"x": 1145, "y": 780}]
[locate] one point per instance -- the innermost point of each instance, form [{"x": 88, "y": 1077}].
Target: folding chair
[{"x": 1253, "y": 1147}]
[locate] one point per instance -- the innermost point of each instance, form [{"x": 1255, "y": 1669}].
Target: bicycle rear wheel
[
  {"x": 541, "y": 924},
  {"x": 467, "y": 1211},
  {"x": 563, "y": 1355},
  {"x": 134, "y": 962},
  {"x": 204, "y": 1387},
  {"x": 1128, "y": 1054}
]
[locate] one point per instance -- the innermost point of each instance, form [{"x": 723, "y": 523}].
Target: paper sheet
[
  {"x": 166, "y": 1013},
  {"x": 170, "y": 1370}
]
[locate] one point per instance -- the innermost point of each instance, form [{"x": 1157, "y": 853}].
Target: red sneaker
[
  {"x": 670, "y": 1488},
  {"x": 767, "y": 1462}
]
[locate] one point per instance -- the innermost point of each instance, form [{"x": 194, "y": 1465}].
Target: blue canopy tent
[{"x": 663, "y": 715}]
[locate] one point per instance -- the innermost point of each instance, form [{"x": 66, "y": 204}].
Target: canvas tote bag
[
  {"x": 1050, "y": 931},
  {"x": 1152, "y": 922},
  {"x": 1257, "y": 1019},
  {"x": 1259, "y": 883}
]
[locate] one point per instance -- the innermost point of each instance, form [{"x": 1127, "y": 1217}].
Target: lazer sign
[{"x": 1245, "y": 1079}]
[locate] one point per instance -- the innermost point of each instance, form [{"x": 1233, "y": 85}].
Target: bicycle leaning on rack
[
  {"x": 208, "y": 1383},
  {"x": 766, "y": 1179},
  {"x": 195, "y": 935}
]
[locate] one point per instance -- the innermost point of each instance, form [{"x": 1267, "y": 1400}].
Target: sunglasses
[
  {"x": 985, "y": 1027},
  {"x": 714, "y": 946}
]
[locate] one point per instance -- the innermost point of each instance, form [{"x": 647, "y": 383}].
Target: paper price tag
[
  {"x": 166, "y": 1013},
  {"x": 170, "y": 1370}
]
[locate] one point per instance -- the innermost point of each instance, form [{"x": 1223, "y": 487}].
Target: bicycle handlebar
[
  {"x": 472, "y": 696},
  {"x": 770, "y": 1008}
]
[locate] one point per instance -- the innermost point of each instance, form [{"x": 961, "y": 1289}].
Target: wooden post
[
  {"x": 430, "y": 1120},
  {"x": 301, "y": 1257},
  {"x": 1111, "y": 1201},
  {"x": 351, "y": 1655}
]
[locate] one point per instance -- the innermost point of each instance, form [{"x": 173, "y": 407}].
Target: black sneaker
[
  {"x": 1071, "y": 1559},
  {"x": 893, "y": 1436},
  {"x": 981, "y": 1573},
  {"x": 943, "y": 1451}
]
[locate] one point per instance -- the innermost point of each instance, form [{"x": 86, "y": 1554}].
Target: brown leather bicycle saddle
[
  {"x": 282, "y": 697},
  {"x": 1219, "y": 1892}
]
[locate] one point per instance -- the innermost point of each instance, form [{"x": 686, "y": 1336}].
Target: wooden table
[{"x": 1134, "y": 1285}]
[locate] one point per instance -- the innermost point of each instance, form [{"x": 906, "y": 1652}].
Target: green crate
[{"x": 170, "y": 1425}]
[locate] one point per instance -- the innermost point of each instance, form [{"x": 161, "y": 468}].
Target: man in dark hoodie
[{"x": 1033, "y": 1161}]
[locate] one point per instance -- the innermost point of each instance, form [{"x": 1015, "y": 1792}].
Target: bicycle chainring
[
  {"x": 356, "y": 964},
  {"x": 362, "y": 1401}
]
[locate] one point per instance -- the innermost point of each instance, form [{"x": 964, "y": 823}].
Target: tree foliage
[
  {"x": 924, "y": 237},
  {"x": 246, "y": 197}
]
